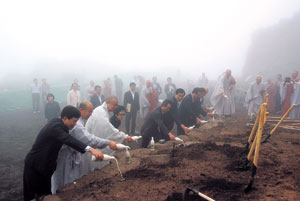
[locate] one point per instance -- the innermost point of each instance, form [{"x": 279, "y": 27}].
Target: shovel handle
[
  {"x": 282, "y": 118},
  {"x": 254, "y": 127},
  {"x": 252, "y": 148},
  {"x": 198, "y": 193},
  {"x": 261, "y": 114},
  {"x": 205, "y": 197},
  {"x": 259, "y": 134},
  {"x": 266, "y": 98}
]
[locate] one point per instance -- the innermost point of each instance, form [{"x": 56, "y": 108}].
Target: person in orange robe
[
  {"x": 288, "y": 90},
  {"x": 271, "y": 90},
  {"x": 152, "y": 98}
]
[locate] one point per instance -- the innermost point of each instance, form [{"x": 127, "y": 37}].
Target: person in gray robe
[
  {"x": 255, "y": 96},
  {"x": 222, "y": 96},
  {"x": 295, "y": 97},
  {"x": 69, "y": 161}
]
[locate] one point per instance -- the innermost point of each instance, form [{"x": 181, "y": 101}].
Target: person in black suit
[
  {"x": 191, "y": 108},
  {"x": 173, "y": 115},
  {"x": 97, "y": 99},
  {"x": 40, "y": 162},
  {"x": 154, "y": 125},
  {"x": 132, "y": 105}
]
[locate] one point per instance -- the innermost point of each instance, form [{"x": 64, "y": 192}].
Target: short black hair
[
  {"x": 166, "y": 102},
  {"x": 132, "y": 83},
  {"x": 198, "y": 89},
  {"x": 97, "y": 86},
  {"x": 82, "y": 105},
  {"x": 50, "y": 95},
  {"x": 119, "y": 109},
  {"x": 70, "y": 112},
  {"x": 180, "y": 91}
]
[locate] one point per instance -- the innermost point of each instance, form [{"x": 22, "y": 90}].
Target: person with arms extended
[
  {"x": 155, "y": 127},
  {"x": 70, "y": 164},
  {"x": 190, "y": 109},
  {"x": 222, "y": 97},
  {"x": 99, "y": 125},
  {"x": 173, "y": 114},
  {"x": 40, "y": 162}
]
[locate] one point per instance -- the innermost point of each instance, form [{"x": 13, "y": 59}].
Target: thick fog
[{"x": 63, "y": 40}]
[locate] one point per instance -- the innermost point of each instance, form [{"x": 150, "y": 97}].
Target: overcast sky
[{"x": 209, "y": 35}]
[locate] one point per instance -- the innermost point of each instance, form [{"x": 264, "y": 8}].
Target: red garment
[
  {"x": 272, "y": 102},
  {"x": 287, "y": 100},
  {"x": 153, "y": 99}
]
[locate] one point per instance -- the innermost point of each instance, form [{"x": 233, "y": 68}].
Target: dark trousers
[
  {"x": 130, "y": 116},
  {"x": 35, "y": 102},
  {"x": 35, "y": 184}
]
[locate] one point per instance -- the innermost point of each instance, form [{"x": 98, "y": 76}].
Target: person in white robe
[
  {"x": 203, "y": 81},
  {"x": 255, "y": 96},
  {"x": 69, "y": 161},
  {"x": 90, "y": 90},
  {"x": 144, "y": 102},
  {"x": 73, "y": 96},
  {"x": 99, "y": 125},
  {"x": 222, "y": 96}
]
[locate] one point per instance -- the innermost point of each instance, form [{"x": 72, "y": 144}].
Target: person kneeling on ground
[{"x": 154, "y": 126}]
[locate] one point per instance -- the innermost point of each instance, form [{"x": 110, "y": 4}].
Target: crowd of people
[
  {"x": 89, "y": 126},
  {"x": 282, "y": 94}
]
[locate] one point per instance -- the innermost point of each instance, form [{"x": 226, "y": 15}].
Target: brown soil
[{"x": 209, "y": 162}]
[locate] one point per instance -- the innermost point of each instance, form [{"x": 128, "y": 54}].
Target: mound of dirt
[{"x": 209, "y": 162}]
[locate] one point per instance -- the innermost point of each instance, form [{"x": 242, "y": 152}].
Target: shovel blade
[
  {"x": 246, "y": 149},
  {"x": 265, "y": 140},
  {"x": 186, "y": 193},
  {"x": 249, "y": 187},
  {"x": 245, "y": 165}
]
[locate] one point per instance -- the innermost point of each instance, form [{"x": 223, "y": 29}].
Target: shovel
[
  {"x": 186, "y": 194},
  {"x": 260, "y": 128},
  {"x": 257, "y": 149},
  {"x": 278, "y": 124}
]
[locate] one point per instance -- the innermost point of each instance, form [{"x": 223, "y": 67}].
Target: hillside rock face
[{"x": 275, "y": 49}]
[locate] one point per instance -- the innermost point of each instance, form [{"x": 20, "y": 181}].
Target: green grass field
[{"x": 20, "y": 99}]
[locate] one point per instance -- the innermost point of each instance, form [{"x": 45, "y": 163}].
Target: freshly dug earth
[{"x": 209, "y": 162}]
